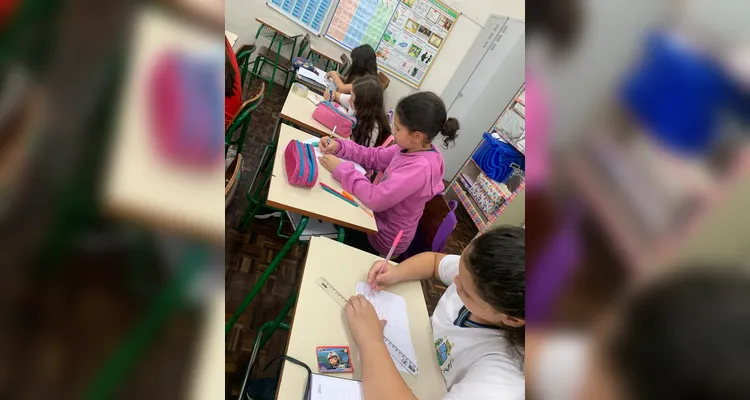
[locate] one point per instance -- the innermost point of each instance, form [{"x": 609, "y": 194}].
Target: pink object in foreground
[
  {"x": 537, "y": 132},
  {"x": 387, "y": 258}
]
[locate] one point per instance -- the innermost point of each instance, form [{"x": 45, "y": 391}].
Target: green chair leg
[
  {"x": 130, "y": 351},
  {"x": 275, "y": 324},
  {"x": 271, "y": 268},
  {"x": 340, "y": 237}
]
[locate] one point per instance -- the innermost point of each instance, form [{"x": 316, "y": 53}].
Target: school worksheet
[{"x": 392, "y": 308}]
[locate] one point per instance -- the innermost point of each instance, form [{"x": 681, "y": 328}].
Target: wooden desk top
[
  {"x": 299, "y": 110},
  {"x": 319, "y": 321},
  {"x": 281, "y": 25},
  {"x": 313, "y": 202},
  {"x": 140, "y": 185}
]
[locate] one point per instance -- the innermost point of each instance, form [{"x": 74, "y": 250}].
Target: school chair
[
  {"x": 430, "y": 236},
  {"x": 242, "y": 118},
  {"x": 304, "y": 45},
  {"x": 273, "y": 57},
  {"x": 346, "y": 65},
  {"x": 243, "y": 61},
  {"x": 384, "y": 80}
]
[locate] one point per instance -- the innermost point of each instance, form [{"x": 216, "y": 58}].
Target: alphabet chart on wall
[
  {"x": 357, "y": 22},
  {"x": 310, "y": 14}
]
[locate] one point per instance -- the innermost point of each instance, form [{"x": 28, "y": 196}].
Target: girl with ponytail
[{"x": 413, "y": 171}]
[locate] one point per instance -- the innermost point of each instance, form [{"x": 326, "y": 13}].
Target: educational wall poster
[
  {"x": 357, "y": 22},
  {"x": 413, "y": 38},
  {"x": 310, "y": 14}
]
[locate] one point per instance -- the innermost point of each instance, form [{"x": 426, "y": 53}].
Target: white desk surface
[
  {"x": 319, "y": 321},
  {"x": 139, "y": 185},
  {"x": 282, "y": 25},
  {"x": 232, "y": 37},
  {"x": 208, "y": 372},
  {"x": 299, "y": 110},
  {"x": 313, "y": 202}
]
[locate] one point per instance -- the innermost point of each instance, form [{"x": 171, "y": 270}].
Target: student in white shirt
[
  {"x": 366, "y": 104},
  {"x": 478, "y": 325}
]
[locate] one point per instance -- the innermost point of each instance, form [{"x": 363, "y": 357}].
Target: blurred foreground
[
  {"x": 649, "y": 174},
  {"x": 107, "y": 291}
]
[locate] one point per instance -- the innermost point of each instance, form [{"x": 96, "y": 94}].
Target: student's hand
[
  {"x": 329, "y": 162},
  {"x": 329, "y": 96},
  {"x": 363, "y": 321},
  {"x": 391, "y": 275},
  {"x": 328, "y": 145},
  {"x": 334, "y": 75}
]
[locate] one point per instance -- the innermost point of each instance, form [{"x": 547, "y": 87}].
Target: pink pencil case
[
  {"x": 331, "y": 116},
  {"x": 301, "y": 165}
]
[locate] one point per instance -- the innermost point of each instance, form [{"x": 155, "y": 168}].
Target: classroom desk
[
  {"x": 309, "y": 202},
  {"x": 319, "y": 321},
  {"x": 281, "y": 25},
  {"x": 299, "y": 110},
  {"x": 232, "y": 37},
  {"x": 140, "y": 185},
  {"x": 313, "y": 202}
]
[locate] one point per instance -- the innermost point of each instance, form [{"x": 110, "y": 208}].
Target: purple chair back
[
  {"x": 446, "y": 228},
  {"x": 554, "y": 268}
]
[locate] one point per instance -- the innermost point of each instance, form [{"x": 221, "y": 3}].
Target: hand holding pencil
[
  {"x": 384, "y": 264},
  {"x": 328, "y": 145}
]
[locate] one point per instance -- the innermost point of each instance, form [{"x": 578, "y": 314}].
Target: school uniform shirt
[
  {"x": 346, "y": 101},
  {"x": 475, "y": 360}
]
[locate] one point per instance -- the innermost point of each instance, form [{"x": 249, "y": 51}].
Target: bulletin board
[
  {"x": 310, "y": 14},
  {"x": 413, "y": 38},
  {"x": 357, "y": 22}
]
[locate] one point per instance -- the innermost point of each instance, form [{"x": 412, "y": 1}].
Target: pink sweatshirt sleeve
[
  {"x": 374, "y": 158},
  {"x": 401, "y": 183}
]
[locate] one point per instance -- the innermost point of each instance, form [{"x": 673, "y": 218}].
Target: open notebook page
[
  {"x": 324, "y": 387},
  {"x": 319, "y": 154},
  {"x": 392, "y": 308}
]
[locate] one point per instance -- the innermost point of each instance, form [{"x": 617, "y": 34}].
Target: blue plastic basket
[{"x": 497, "y": 158}]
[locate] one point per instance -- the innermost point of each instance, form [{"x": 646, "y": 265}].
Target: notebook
[{"x": 326, "y": 387}]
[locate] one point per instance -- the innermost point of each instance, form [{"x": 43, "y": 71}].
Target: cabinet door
[
  {"x": 473, "y": 57},
  {"x": 491, "y": 87}
]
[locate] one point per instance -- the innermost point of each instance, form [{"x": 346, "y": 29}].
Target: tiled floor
[{"x": 248, "y": 254}]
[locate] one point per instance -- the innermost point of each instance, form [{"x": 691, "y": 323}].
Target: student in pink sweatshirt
[{"x": 413, "y": 171}]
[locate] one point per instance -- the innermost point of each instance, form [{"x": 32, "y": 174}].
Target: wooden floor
[{"x": 248, "y": 255}]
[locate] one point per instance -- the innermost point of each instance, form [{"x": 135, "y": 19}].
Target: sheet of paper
[
  {"x": 317, "y": 76},
  {"x": 318, "y": 153},
  {"x": 325, "y": 387},
  {"x": 392, "y": 308}
]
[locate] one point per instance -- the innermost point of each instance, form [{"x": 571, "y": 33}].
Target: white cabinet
[{"x": 485, "y": 83}]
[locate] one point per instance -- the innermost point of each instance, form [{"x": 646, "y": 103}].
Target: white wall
[{"x": 241, "y": 14}]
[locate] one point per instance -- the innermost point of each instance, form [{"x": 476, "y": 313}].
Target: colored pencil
[
  {"x": 333, "y": 192},
  {"x": 387, "y": 258}
]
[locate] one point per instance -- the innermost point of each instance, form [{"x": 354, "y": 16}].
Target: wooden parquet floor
[{"x": 248, "y": 254}]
